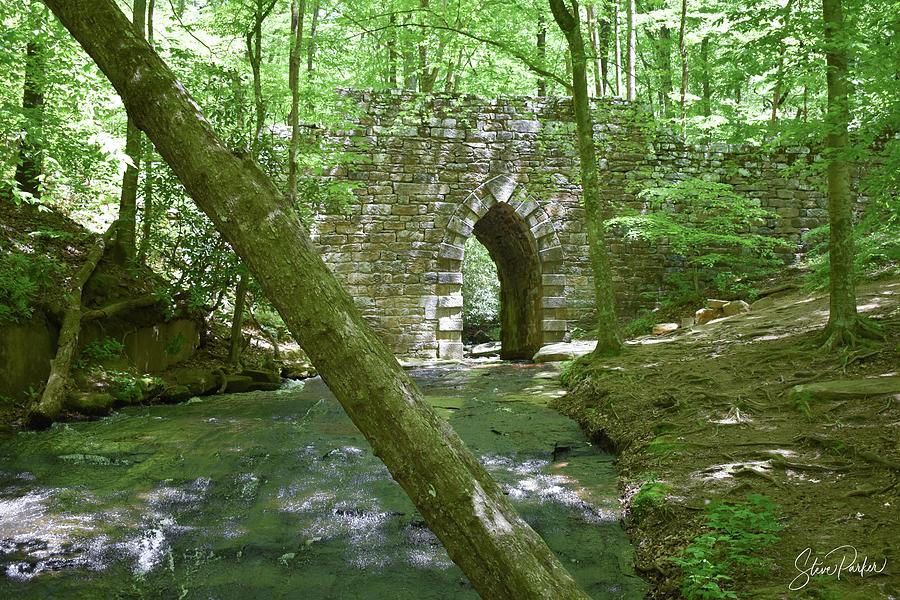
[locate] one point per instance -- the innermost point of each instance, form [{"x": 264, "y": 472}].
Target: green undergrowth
[
  {"x": 649, "y": 498},
  {"x": 24, "y": 279},
  {"x": 733, "y": 535}
]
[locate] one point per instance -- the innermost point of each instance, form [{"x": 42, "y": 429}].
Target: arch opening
[{"x": 507, "y": 238}]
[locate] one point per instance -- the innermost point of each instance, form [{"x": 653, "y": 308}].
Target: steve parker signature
[{"x": 843, "y": 560}]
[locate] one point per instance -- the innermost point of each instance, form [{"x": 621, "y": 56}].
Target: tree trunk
[
  {"x": 298, "y": 8},
  {"x": 502, "y": 556},
  {"x": 778, "y": 95},
  {"x": 392, "y": 53},
  {"x": 663, "y": 48},
  {"x": 617, "y": 35},
  {"x": 31, "y": 165},
  {"x": 427, "y": 75},
  {"x": 843, "y": 320},
  {"x": 603, "y": 48},
  {"x": 125, "y": 244},
  {"x": 631, "y": 73},
  {"x": 682, "y": 51},
  {"x": 704, "y": 60},
  {"x": 311, "y": 46},
  {"x": 147, "y": 217},
  {"x": 410, "y": 79},
  {"x": 237, "y": 321},
  {"x": 542, "y": 52},
  {"x": 592, "y": 34},
  {"x": 53, "y": 398},
  {"x": 608, "y": 341}
]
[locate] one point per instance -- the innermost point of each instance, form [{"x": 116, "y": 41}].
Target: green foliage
[
  {"x": 734, "y": 534},
  {"x": 99, "y": 351},
  {"x": 641, "y": 324},
  {"x": 650, "y": 497},
  {"x": 125, "y": 387},
  {"x": 876, "y": 238},
  {"x": 481, "y": 293},
  {"x": 714, "y": 231},
  {"x": 175, "y": 345},
  {"x": 24, "y": 279}
]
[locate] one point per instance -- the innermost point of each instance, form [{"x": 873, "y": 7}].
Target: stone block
[
  {"x": 421, "y": 189},
  {"x": 523, "y": 126},
  {"x": 451, "y": 277},
  {"x": 450, "y": 323},
  {"x": 449, "y": 349},
  {"x": 450, "y": 251}
]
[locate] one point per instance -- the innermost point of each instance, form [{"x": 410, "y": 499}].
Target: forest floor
[{"x": 745, "y": 407}]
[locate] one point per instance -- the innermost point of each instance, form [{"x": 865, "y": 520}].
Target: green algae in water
[{"x": 272, "y": 495}]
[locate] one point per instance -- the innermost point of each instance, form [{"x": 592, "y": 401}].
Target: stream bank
[{"x": 750, "y": 405}]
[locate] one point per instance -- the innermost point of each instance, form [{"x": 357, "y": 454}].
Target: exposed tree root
[{"x": 840, "y": 336}]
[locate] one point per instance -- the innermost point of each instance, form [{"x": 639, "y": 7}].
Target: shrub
[
  {"x": 734, "y": 532},
  {"x": 712, "y": 229},
  {"x": 23, "y": 279},
  {"x": 98, "y": 351}
]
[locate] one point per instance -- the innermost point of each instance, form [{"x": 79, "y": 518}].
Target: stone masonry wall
[{"x": 427, "y": 168}]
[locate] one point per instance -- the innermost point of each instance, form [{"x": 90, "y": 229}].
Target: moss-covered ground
[{"x": 748, "y": 407}]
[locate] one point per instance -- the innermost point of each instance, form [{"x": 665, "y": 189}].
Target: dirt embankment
[{"x": 751, "y": 405}]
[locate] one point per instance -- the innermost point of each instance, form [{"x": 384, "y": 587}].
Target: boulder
[
  {"x": 236, "y": 384},
  {"x": 705, "y": 315},
  {"x": 564, "y": 351},
  {"x": 488, "y": 349},
  {"x": 176, "y": 393},
  {"x": 298, "y": 371},
  {"x": 263, "y": 376},
  {"x": 735, "y": 308},
  {"x": 199, "y": 381},
  {"x": 91, "y": 403},
  {"x": 664, "y": 328},
  {"x": 715, "y": 304}
]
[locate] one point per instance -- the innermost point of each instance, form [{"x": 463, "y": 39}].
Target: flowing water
[{"x": 276, "y": 495}]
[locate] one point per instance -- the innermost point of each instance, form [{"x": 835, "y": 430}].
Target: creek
[{"x": 277, "y": 495}]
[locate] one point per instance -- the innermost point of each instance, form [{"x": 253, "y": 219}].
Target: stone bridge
[{"x": 433, "y": 170}]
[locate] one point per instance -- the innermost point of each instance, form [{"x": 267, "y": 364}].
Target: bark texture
[
  {"x": 236, "y": 344},
  {"x": 30, "y": 164},
  {"x": 842, "y": 318},
  {"x": 298, "y": 8},
  {"x": 607, "y": 337},
  {"x": 631, "y": 72},
  {"x": 126, "y": 244},
  {"x": 502, "y": 556}
]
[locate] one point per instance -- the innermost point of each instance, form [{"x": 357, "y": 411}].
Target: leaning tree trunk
[
  {"x": 843, "y": 320},
  {"x": 607, "y": 336},
  {"x": 50, "y": 406},
  {"x": 502, "y": 556}
]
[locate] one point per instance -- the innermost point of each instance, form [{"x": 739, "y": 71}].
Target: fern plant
[
  {"x": 711, "y": 228},
  {"x": 735, "y": 532}
]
